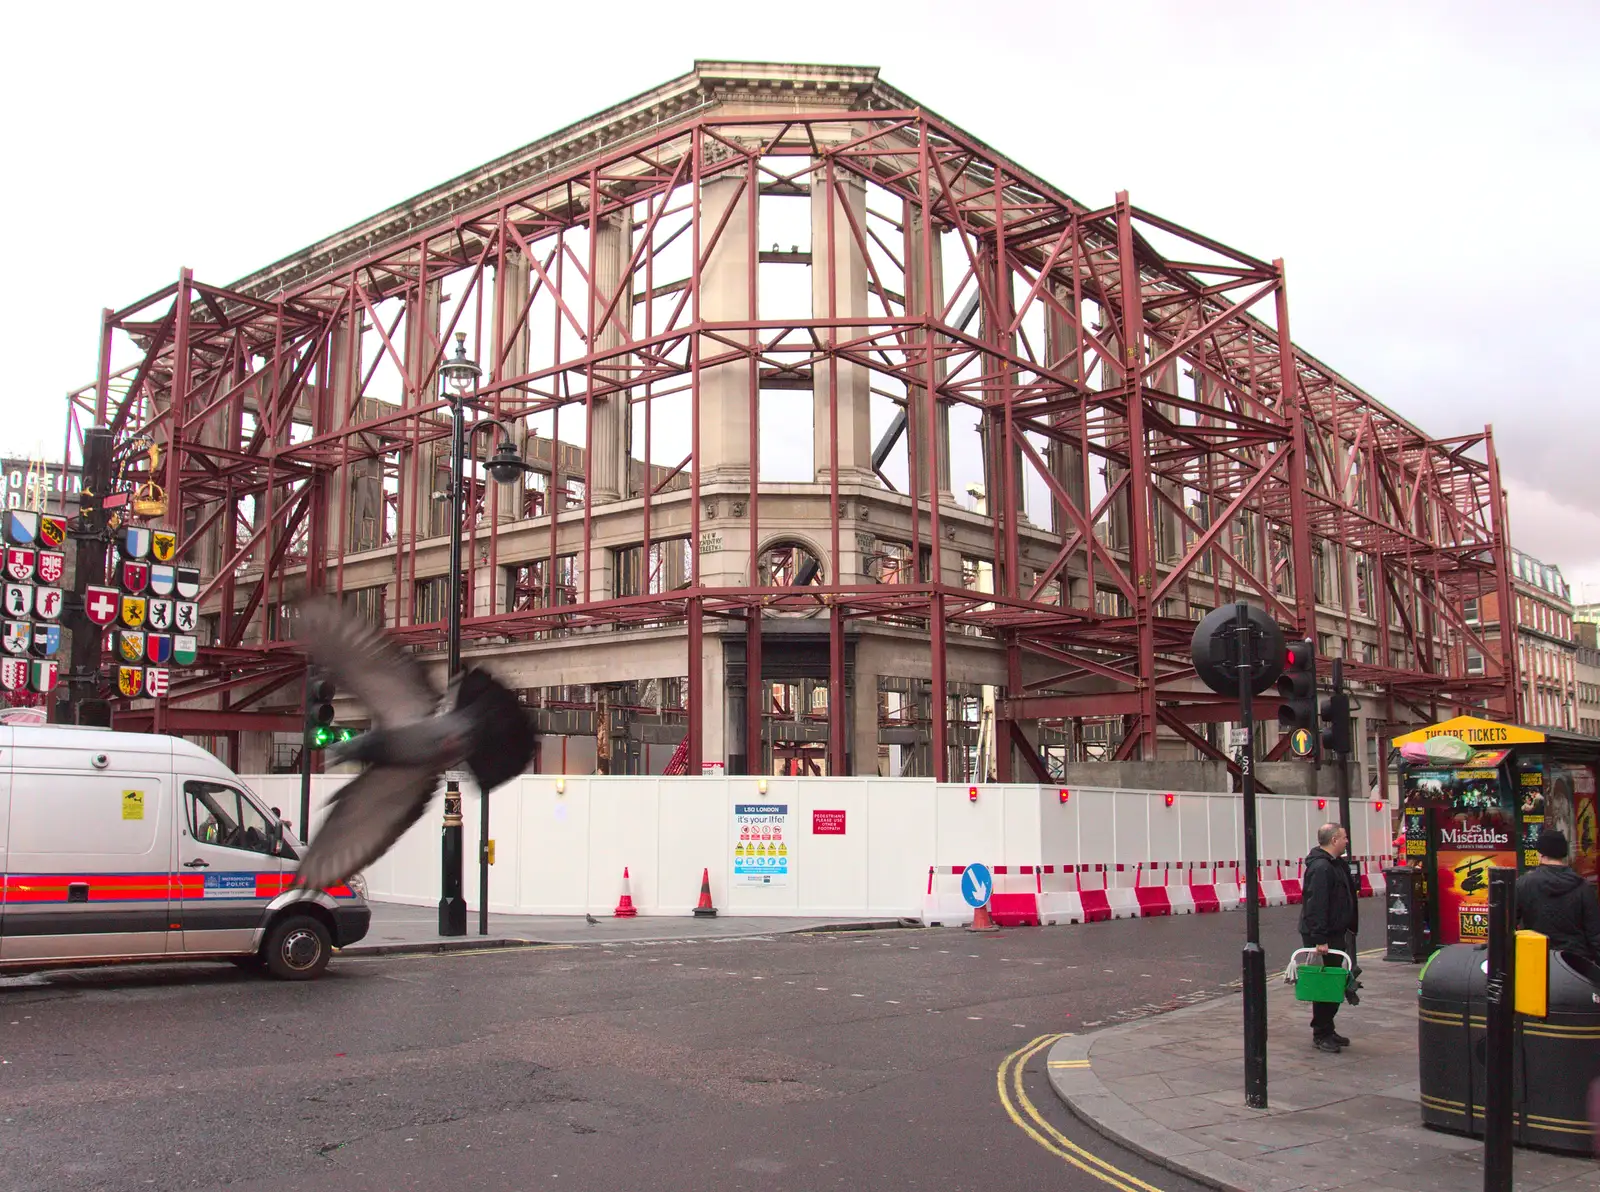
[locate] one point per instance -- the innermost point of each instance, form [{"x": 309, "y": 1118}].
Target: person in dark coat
[
  {"x": 1557, "y": 902},
  {"x": 1328, "y": 920}
]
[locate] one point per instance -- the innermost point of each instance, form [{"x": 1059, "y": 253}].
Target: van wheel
[{"x": 297, "y": 949}]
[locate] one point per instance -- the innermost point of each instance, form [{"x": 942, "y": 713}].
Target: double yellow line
[{"x": 1009, "y": 1081}]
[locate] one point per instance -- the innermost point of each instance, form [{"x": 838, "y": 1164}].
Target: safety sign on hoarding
[{"x": 761, "y": 846}]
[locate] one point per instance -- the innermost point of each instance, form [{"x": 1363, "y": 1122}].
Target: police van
[{"x": 138, "y": 847}]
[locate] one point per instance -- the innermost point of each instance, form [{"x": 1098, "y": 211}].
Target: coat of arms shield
[
  {"x": 158, "y": 648},
  {"x": 132, "y": 575},
  {"x": 130, "y": 680},
  {"x": 18, "y": 636},
  {"x": 13, "y": 673},
  {"x": 19, "y": 600},
  {"x": 100, "y": 604},
  {"x": 163, "y": 545},
  {"x": 130, "y": 645},
  {"x": 47, "y": 602},
  {"x": 42, "y": 676},
  {"x": 46, "y": 640},
  {"x": 22, "y": 527},
  {"x": 159, "y": 615},
  {"x": 135, "y": 542},
  {"x": 133, "y": 611}
]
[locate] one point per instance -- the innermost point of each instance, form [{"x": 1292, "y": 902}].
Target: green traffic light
[{"x": 323, "y": 735}]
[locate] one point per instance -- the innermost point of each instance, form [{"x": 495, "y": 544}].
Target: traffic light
[
  {"x": 1336, "y": 724},
  {"x": 319, "y": 701},
  {"x": 1297, "y": 691},
  {"x": 323, "y": 735}
]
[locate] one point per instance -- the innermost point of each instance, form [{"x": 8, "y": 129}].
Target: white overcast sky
[{"x": 1428, "y": 171}]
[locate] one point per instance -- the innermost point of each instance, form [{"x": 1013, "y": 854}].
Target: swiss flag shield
[{"x": 101, "y": 604}]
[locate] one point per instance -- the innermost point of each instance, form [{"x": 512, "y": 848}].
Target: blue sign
[
  {"x": 976, "y": 885},
  {"x": 230, "y": 885}
]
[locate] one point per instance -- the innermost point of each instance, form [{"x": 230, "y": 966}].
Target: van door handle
[{"x": 197, "y": 863}]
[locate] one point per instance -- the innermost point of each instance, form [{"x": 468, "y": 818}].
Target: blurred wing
[
  {"x": 389, "y": 683},
  {"x": 369, "y": 814}
]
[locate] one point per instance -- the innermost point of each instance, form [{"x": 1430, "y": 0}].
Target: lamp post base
[
  {"x": 452, "y": 905},
  {"x": 453, "y": 916}
]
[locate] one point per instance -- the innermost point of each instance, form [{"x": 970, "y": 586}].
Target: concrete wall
[{"x": 561, "y": 848}]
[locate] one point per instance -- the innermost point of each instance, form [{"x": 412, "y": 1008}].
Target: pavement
[
  {"x": 1171, "y": 1089},
  {"x": 398, "y": 929}
]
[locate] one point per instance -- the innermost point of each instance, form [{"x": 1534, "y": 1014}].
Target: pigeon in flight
[{"x": 414, "y": 738}]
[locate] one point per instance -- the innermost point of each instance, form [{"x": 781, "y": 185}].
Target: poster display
[
  {"x": 1467, "y": 851},
  {"x": 1585, "y": 824},
  {"x": 761, "y": 847}
]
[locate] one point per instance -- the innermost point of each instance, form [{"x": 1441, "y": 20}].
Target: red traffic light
[{"x": 1065, "y": 794}]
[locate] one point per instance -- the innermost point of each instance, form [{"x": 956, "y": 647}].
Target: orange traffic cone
[
  {"x": 625, "y": 908},
  {"x": 705, "y": 910},
  {"x": 982, "y": 920}
]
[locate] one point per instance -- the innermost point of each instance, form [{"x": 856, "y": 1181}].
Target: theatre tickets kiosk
[{"x": 1463, "y": 817}]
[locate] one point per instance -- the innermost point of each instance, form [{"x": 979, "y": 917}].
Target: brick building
[{"x": 1547, "y": 648}]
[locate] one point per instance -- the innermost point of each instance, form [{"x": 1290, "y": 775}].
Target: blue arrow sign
[{"x": 976, "y": 885}]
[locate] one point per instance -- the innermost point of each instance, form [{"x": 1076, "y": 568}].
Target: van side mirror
[{"x": 277, "y": 838}]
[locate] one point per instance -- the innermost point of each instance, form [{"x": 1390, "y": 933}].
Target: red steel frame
[{"x": 1267, "y": 444}]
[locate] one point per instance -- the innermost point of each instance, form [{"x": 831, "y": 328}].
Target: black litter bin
[
  {"x": 1451, "y": 1016},
  {"x": 1560, "y": 1058}
]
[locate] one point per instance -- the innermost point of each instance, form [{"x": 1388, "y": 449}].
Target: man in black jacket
[
  {"x": 1555, "y": 901},
  {"x": 1328, "y": 919}
]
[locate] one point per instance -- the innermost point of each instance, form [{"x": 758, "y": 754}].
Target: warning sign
[
  {"x": 133, "y": 805},
  {"x": 827, "y": 823},
  {"x": 761, "y": 844}
]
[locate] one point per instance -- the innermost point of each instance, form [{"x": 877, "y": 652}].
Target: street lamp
[{"x": 458, "y": 376}]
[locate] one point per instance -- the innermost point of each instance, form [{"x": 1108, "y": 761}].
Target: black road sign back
[{"x": 1215, "y": 649}]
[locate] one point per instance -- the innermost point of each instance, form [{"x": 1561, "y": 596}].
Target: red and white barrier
[
  {"x": 1180, "y": 893},
  {"x": 1021, "y": 898},
  {"x": 1153, "y": 899},
  {"x": 1272, "y": 891},
  {"x": 1291, "y": 885}
]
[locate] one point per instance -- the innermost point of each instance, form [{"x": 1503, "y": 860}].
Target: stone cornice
[{"x": 708, "y": 86}]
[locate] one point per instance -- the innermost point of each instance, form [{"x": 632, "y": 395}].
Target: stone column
[
  {"x": 1168, "y": 525},
  {"x": 612, "y": 421},
  {"x": 863, "y": 703},
  {"x": 1120, "y": 510},
  {"x": 839, "y": 287},
  {"x": 515, "y": 345},
  {"x": 925, "y": 300},
  {"x": 428, "y": 517},
  {"x": 725, "y": 395},
  {"x": 1065, "y": 459}
]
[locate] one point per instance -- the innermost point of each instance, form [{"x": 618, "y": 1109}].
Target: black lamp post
[{"x": 457, "y": 377}]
